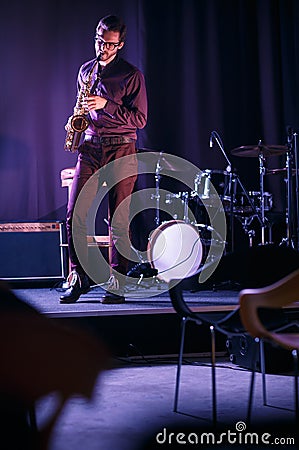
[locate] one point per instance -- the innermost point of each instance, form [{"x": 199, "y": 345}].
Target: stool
[{"x": 67, "y": 176}]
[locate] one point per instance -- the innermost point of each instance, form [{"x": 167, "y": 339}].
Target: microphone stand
[{"x": 215, "y": 136}]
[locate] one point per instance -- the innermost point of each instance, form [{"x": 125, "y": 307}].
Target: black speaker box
[
  {"x": 32, "y": 251},
  {"x": 241, "y": 353}
]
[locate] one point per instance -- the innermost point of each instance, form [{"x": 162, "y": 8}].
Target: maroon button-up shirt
[{"x": 123, "y": 85}]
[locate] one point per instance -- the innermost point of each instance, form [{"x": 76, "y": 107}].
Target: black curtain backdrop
[{"x": 226, "y": 65}]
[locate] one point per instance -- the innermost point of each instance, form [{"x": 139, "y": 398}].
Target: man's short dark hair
[{"x": 113, "y": 23}]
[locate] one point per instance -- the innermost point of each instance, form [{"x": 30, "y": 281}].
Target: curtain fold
[{"x": 225, "y": 65}]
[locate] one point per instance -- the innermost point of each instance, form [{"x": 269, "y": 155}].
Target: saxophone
[{"x": 79, "y": 121}]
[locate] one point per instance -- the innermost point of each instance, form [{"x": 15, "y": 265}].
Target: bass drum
[{"x": 175, "y": 250}]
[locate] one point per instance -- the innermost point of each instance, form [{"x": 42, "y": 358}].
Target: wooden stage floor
[{"x": 140, "y": 299}]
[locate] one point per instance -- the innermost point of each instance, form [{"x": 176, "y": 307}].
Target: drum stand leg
[
  {"x": 294, "y": 143},
  {"x": 292, "y": 208},
  {"x": 288, "y": 240},
  {"x": 263, "y": 220},
  {"x": 262, "y": 199},
  {"x": 255, "y": 213},
  {"x": 246, "y": 222},
  {"x": 251, "y": 234},
  {"x": 185, "y": 197},
  {"x": 156, "y": 196}
]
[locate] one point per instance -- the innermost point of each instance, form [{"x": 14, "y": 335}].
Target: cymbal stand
[
  {"x": 255, "y": 213},
  {"x": 289, "y": 213},
  {"x": 292, "y": 208},
  {"x": 185, "y": 200},
  {"x": 295, "y": 135},
  {"x": 259, "y": 214},
  {"x": 157, "y": 196},
  {"x": 262, "y": 171}
]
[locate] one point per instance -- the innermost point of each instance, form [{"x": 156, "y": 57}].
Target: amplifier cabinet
[
  {"x": 32, "y": 251},
  {"x": 241, "y": 348}
]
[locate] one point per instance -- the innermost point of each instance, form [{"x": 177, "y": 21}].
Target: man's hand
[
  {"x": 67, "y": 126},
  {"x": 93, "y": 102}
]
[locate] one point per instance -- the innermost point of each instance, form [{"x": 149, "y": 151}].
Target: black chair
[{"x": 227, "y": 323}]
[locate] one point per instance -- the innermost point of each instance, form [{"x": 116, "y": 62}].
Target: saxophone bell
[{"x": 79, "y": 123}]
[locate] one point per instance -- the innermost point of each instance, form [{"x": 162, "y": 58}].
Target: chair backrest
[
  {"x": 175, "y": 290},
  {"x": 277, "y": 295}
]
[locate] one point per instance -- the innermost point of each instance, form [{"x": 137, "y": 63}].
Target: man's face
[{"x": 107, "y": 44}]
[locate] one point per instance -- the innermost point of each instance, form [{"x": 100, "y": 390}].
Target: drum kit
[
  {"x": 238, "y": 203},
  {"x": 262, "y": 201}
]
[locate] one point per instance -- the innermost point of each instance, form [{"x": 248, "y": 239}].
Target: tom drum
[
  {"x": 218, "y": 178},
  {"x": 242, "y": 205}
]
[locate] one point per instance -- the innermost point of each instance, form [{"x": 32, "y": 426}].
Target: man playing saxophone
[{"x": 116, "y": 106}]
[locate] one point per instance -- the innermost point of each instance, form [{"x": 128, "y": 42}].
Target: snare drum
[
  {"x": 175, "y": 250},
  {"x": 242, "y": 204}
]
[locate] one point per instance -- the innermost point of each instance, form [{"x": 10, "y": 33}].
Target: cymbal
[
  {"x": 279, "y": 171},
  {"x": 254, "y": 151},
  {"x": 162, "y": 162},
  {"x": 171, "y": 166}
]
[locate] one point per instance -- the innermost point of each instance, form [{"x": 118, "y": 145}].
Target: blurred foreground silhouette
[{"x": 38, "y": 357}]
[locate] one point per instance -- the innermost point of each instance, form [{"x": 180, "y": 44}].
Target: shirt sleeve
[{"x": 133, "y": 110}]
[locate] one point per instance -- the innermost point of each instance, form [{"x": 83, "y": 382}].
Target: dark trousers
[{"x": 120, "y": 177}]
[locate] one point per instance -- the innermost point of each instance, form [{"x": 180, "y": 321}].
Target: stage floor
[
  {"x": 146, "y": 324},
  {"x": 140, "y": 299}
]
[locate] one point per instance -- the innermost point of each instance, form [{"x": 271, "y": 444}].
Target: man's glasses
[{"x": 108, "y": 45}]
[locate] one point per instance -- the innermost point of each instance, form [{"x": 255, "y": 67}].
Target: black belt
[{"x": 113, "y": 140}]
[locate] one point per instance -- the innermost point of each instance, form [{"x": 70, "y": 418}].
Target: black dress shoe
[
  {"x": 77, "y": 286},
  {"x": 113, "y": 299},
  {"x": 115, "y": 293}
]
